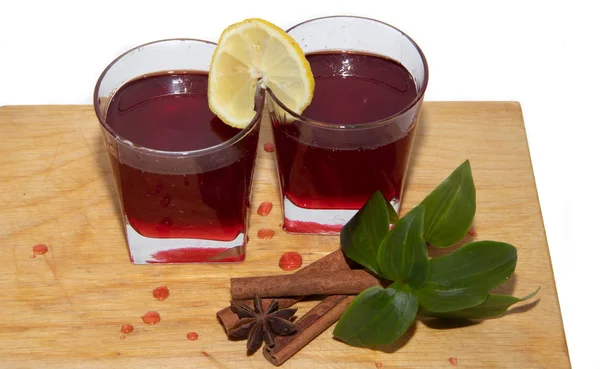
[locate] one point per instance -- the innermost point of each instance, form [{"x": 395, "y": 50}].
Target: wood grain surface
[{"x": 64, "y": 309}]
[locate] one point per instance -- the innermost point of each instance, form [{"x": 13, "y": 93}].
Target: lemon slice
[{"x": 256, "y": 52}]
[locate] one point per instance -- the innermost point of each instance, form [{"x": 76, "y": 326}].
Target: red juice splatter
[
  {"x": 192, "y": 336},
  {"x": 151, "y": 317},
  {"x": 378, "y": 365},
  {"x": 122, "y": 337},
  {"x": 290, "y": 261},
  {"x": 126, "y": 328},
  {"x": 316, "y": 169},
  {"x": 453, "y": 361},
  {"x": 472, "y": 232},
  {"x": 40, "y": 249},
  {"x": 266, "y": 234},
  {"x": 32, "y": 256},
  {"x": 265, "y": 208},
  {"x": 205, "y": 353},
  {"x": 269, "y": 147},
  {"x": 160, "y": 293}
]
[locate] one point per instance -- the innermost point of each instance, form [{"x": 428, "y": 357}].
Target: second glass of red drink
[{"x": 356, "y": 135}]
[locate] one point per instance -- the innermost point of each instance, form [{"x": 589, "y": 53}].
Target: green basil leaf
[
  {"x": 403, "y": 253},
  {"x": 362, "y": 235},
  {"x": 464, "y": 277},
  {"x": 493, "y": 306},
  {"x": 450, "y": 208},
  {"x": 378, "y": 316}
]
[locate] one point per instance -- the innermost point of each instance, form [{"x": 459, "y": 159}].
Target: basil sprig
[{"x": 455, "y": 285}]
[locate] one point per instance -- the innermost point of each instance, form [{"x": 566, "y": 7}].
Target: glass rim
[
  {"x": 207, "y": 150},
  {"x": 364, "y": 125}
]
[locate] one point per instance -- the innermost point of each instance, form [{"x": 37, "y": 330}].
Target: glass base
[
  {"x": 317, "y": 221},
  {"x": 147, "y": 250}
]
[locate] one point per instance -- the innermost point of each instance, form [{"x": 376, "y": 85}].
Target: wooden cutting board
[{"x": 64, "y": 309}]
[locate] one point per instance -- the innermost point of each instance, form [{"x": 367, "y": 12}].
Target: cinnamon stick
[
  {"x": 308, "y": 327},
  {"x": 347, "y": 282},
  {"x": 330, "y": 262}
]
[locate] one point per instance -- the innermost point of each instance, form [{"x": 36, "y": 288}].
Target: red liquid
[
  {"x": 199, "y": 255},
  {"x": 151, "y": 317},
  {"x": 126, "y": 328},
  {"x": 160, "y": 293},
  {"x": 265, "y": 208},
  {"x": 170, "y": 112},
  {"x": 290, "y": 261},
  {"x": 265, "y": 234},
  {"x": 269, "y": 147},
  {"x": 40, "y": 249},
  {"x": 192, "y": 336},
  {"x": 350, "y": 89}
]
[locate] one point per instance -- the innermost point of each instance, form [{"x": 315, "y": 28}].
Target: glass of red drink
[
  {"x": 356, "y": 135},
  {"x": 183, "y": 177}
]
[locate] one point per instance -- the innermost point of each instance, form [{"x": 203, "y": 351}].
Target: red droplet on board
[
  {"x": 269, "y": 147},
  {"x": 122, "y": 337},
  {"x": 151, "y": 317},
  {"x": 205, "y": 353},
  {"x": 40, "y": 249},
  {"x": 32, "y": 256},
  {"x": 472, "y": 232},
  {"x": 192, "y": 336},
  {"x": 266, "y": 234},
  {"x": 265, "y": 208},
  {"x": 160, "y": 293},
  {"x": 126, "y": 328},
  {"x": 453, "y": 361},
  {"x": 378, "y": 365},
  {"x": 290, "y": 261}
]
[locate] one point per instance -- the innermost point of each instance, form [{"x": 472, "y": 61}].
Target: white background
[{"x": 542, "y": 54}]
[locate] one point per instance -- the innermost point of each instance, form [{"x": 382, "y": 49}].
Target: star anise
[{"x": 260, "y": 324}]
